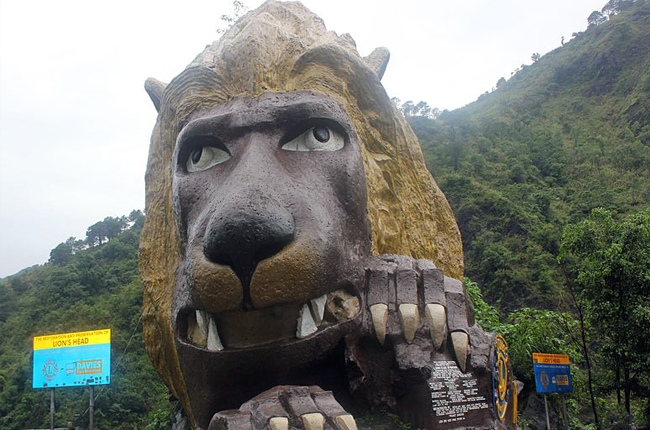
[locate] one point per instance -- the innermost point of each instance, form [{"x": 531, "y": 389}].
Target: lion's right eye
[
  {"x": 319, "y": 138},
  {"x": 203, "y": 157}
]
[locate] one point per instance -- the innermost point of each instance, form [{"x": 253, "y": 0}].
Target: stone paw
[
  {"x": 287, "y": 408},
  {"x": 408, "y": 298}
]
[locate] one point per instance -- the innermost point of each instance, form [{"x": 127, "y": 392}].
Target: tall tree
[
  {"x": 611, "y": 264},
  {"x": 596, "y": 18}
]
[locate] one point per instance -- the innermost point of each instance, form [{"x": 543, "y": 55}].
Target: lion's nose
[{"x": 242, "y": 238}]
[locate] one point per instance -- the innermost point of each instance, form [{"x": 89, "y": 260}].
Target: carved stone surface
[{"x": 295, "y": 243}]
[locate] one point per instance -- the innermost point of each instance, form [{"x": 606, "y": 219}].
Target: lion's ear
[
  {"x": 155, "y": 90},
  {"x": 378, "y": 60}
]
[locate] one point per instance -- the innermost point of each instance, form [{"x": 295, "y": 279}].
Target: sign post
[
  {"x": 552, "y": 375},
  {"x": 72, "y": 360},
  {"x": 51, "y": 408},
  {"x": 91, "y": 407}
]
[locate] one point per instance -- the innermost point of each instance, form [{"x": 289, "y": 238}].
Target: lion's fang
[
  {"x": 306, "y": 324},
  {"x": 197, "y": 329},
  {"x": 202, "y": 331},
  {"x": 318, "y": 308},
  {"x": 214, "y": 343}
]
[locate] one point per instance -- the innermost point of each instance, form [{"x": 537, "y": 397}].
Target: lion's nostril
[{"x": 241, "y": 239}]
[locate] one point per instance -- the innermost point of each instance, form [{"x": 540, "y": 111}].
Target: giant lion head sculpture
[{"x": 278, "y": 168}]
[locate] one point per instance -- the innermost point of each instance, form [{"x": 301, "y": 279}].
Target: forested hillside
[
  {"x": 88, "y": 284},
  {"x": 564, "y": 135},
  {"x": 523, "y": 167}
]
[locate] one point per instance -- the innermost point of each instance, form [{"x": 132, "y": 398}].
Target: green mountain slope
[
  {"x": 566, "y": 134},
  {"x": 94, "y": 288}
]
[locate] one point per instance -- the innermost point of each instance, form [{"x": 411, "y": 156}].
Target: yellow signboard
[
  {"x": 550, "y": 358},
  {"x": 65, "y": 340}
]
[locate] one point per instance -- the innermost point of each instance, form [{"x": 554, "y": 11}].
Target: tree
[
  {"x": 527, "y": 331},
  {"x": 64, "y": 251},
  {"x": 105, "y": 230},
  {"x": 136, "y": 217},
  {"x": 486, "y": 315},
  {"x": 596, "y": 18},
  {"x": 532, "y": 330},
  {"x": 610, "y": 260},
  {"x": 114, "y": 226},
  {"x": 95, "y": 234},
  {"x": 612, "y": 7},
  {"x": 421, "y": 109},
  {"x": 535, "y": 57}
]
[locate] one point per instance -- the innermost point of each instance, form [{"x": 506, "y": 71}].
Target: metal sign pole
[
  {"x": 553, "y": 375},
  {"x": 548, "y": 421},
  {"x": 91, "y": 408},
  {"x": 51, "y": 408}
]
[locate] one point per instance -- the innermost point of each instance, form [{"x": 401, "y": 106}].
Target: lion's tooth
[
  {"x": 202, "y": 321},
  {"x": 196, "y": 335},
  {"x": 306, "y": 324},
  {"x": 318, "y": 308},
  {"x": 214, "y": 343}
]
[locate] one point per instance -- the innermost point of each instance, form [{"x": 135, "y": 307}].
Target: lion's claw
[
  {"x": 437, "y": 320},
  {"x": 379, "y": 314},
  {"x": 346, "y": 422},
  {"x": 460, "y": 342},
  {"x": 279, "y": 407},
  {"x": 410, "y": 318},
  {"x": 313, "y": 421},
  {"x": 404, "y": 295},
  {"x": 279, "y": 423}
]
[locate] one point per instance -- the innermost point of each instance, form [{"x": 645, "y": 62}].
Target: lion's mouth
[{"x": 276, "y": 324}]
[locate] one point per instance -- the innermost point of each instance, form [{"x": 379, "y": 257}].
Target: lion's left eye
[
  {"x": 319, "y": 138},
  {"x": 204, "y": 157}
]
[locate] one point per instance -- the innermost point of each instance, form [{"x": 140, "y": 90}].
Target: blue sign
[
  {"x": 552, "y": 373},
  {"x": 72, "y": 359}
]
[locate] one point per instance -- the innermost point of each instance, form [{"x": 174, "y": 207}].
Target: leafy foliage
[
  {"x": 567, "y": 134},
  {"x": 80, "y": 289},
  {"x": 611, "y": 264}
]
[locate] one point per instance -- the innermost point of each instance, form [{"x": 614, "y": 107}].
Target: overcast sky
[{"x": 75, "y": 120}]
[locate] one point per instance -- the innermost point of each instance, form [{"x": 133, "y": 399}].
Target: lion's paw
[
  {"x": 287, "y": 408},
  {"x": 409, "y": 298}
]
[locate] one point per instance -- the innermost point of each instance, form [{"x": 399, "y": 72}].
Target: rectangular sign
[
  {"x": 72, "y": 359},
  {"x": 552, "y": 373}
]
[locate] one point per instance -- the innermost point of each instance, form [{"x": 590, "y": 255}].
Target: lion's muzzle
[{"x": 244, "y": 234}]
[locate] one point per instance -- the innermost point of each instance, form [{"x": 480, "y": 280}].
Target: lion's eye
[
  {"x": 204, "y": 157},
  {"x": 319, "y": 138}
]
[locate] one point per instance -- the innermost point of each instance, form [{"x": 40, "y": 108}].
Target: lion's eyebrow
[{"x": 236, "y": 122}]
